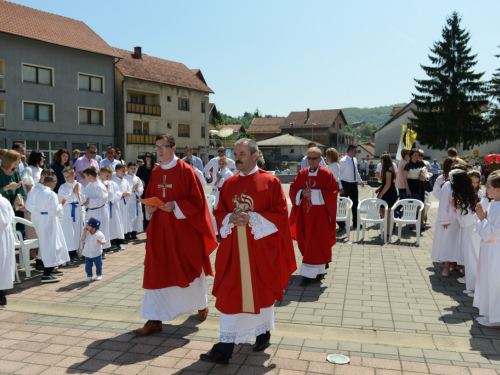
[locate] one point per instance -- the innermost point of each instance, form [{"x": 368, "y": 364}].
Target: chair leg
[
  {"x": 18, "y": 279},
  {"x": 363, "y": 231},
  {"x": 418, "y": 231},
  {"x": 26, "y": 261},
  {"x": 400, "y": 230},
  {"x": 348, "y": 227}
]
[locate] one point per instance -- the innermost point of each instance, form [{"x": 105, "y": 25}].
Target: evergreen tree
[
  {"x": 451, "y": 101},
  {"x": 494, "y": 115}
]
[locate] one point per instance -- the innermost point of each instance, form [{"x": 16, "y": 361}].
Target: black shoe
[
  {"x": 56, "y": 272},
  {"x": 50, "y": 279},
  {"x": 3, "y": 301},
  {"x": 103, "y": 255},
  {"x": 327, "y": 265},
  {"x": 305, "y": 281},
  {"x": 320, "y": 276},
  {"x": 340, "y": 230},
  {"x": 108, "y": 251},
  {"x": 214, "y": 356},
  {"x": 39, "y": 268},
  {"x": 260, "y": 346},
  {"x": 77, "y": 260}
]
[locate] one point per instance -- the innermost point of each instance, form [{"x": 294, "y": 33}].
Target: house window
[
  {"x": 2, "y": 74},
  {"x": 2, "y": 114},
  {"x": 183, "y": 104},
  {"x": 90, "y": 116},
  {"x": 38, "y": 111},
  {"x": 90, "y": 83},
  {"x": 47, "y": 147},
  {"x": 3, "y": 143},
  {"x": 37, "y": 74},
  {"x": 169, "y": 98},
  {"x": 202, "y": 107},
  {"x": 203, "y": 132},
  {"x": 292, "y": 151},
  {"x": 183, "y": 131},
  {"x": 138, "y": 99},
  {"x": 393, "y": 148},
  {"x": 141, "y": 127}
]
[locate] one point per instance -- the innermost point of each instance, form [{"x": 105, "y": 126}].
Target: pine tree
[
  {"x": 494, "y": 91},
  {"x": 451, "y": 102}
]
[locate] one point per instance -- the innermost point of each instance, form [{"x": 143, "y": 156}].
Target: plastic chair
[
  {"x": 211, "y": 206},
  {"x": 411, "y": 211},
  {"x": 427, "y": 204},
  {"x": 371, "y": 207},
  {"x": 344, "y": 206},
  {"x": 23, "y": 245},
  {"x": 365, "y": 193}
]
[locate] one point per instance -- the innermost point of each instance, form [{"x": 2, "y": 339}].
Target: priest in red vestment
[
  {"x": 180, "y": 238},
  {"x": 255, "y": 258},
  {"x": 314, "y": 197}
]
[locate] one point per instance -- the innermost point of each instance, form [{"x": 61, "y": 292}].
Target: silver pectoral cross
[{"x": 164, "y": 185}]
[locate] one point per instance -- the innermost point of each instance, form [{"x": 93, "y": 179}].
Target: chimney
[
  {"x": 308, "y": 114},
  {"x": 138, "y": 52}
]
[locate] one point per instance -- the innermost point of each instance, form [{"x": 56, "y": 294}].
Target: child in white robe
[
  {"x": 52, "y": 251},
  {"x": 72, "y": 222},
  {"x": 135, "y": 207},
  {"x": 96, "y": 204},
  {"x": 445, "y": 246},
  {"x": 466, "y": 216},
  {"x": 115, "y": 215},
  {"x": 448, "y": 163},
  {"x": 126, "y": 190},
  {"x": 93, "y": 240},
  {"x": 7, "y": 256},
  {"x": 486, "y": 296},
  {"x": 220, "y": 177}
]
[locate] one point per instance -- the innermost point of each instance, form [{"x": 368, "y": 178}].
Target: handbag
[
  {"x": 17, "y": 202},
  {"x": 428, "y": 186}
]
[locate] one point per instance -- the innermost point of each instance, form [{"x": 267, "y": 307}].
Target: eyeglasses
[
  {"x": 93, "y": 152},
  {"x": 311, "y": 158},
  {"x": 161, "y": 147},
  {"x": 220, "y": 151}
]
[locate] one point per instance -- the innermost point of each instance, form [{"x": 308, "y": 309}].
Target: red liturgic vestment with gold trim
[
  {"x": 313, "y": 226},
  {"x": 272, "y": 259},
  {"x": 178, "y": 249}
]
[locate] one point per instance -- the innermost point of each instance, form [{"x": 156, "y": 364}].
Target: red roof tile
[
  {"x": 33, "y": 23},
  {"x": 321, "y": 118},
  {"x": 370, "y": 149},
  {"x": 154, "y": 69},
  {"x": 395, "y": 110},
  {"x": 268, "y": 125}
]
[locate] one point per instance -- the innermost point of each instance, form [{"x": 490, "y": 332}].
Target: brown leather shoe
[
  {"x": 202, "y": 314},
  {"x": 149, "y": 328}
]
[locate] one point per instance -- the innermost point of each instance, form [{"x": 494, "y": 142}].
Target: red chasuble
[
  {"x": 313, "y": 226},
  {"x": 272, "y": 259},
  {"x": 178, "y": 249}
]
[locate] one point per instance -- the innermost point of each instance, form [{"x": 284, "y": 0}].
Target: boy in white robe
[
  {"x": 135, "y": 207},
  {"x": 113, "y": 202},
  {"x": 93, "y": 240},
  {"x": 96, "y": 204},
  {"x": 7, "y": 256},
  {"x": 126, "y": 190},
  {"x": 52, "y": 251},
  {"x": 72, "y": 222},
  {"x": 219, "y": 178}
]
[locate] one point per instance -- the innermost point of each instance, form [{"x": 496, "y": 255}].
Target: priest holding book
[{"x": 180, "y": 238}]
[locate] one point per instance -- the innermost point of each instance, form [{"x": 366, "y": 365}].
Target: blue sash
[
  {"x": 137, "y": 205},
  {"x": 124, "y": 200},
  {"x": 110, "y": 210},
  {"x": 44, "y": 213},
  {"x": 74, "y": 205},
  {"x": 95, "y": 208}
]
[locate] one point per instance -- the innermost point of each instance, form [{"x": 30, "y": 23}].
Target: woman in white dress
[
  {"x": 30, "y": 176},
  {"x": 332, "y": 158}
]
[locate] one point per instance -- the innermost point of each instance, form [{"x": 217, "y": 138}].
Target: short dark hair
[
  {"x": 189, "y": 161},
  {"x": 119, "y": 166},
  {"x": 49, "y": 178},
  {"x": 90, "y": 146},
  {"x": 91, "y": 171},
  {"x": 130, "y": 164},
  {"x": 17, "y": 146},
  {"x": 35, "y": 157},
  {"x": 189, "y": 148},
  {"x": 311, "y": 144},
  {"x": 166, "y": 136},
  {"x": 452, "y": 151},
  {"x": 111, "y": 148},
  {"x": 351, "y": 147}
]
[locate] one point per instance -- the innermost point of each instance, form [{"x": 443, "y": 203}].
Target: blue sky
[{"x": 283, "y": 56}]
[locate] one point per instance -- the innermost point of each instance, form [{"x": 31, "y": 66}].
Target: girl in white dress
[
  {"x": 486, "y": 296},
  {"x": 447, "y": 165},
  {"x": 7, "y": 256},
  {"x": 467, "y": 186},
  {"x": 220, "y": 177}
]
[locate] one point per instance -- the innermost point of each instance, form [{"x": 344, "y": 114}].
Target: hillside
[{"x": 376, "y": 115}]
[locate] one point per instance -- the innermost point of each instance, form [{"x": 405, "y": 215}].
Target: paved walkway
[{"x": 387, "y": 307}]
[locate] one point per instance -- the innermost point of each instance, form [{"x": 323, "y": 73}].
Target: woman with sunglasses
[{"x": 118, "y": 156}]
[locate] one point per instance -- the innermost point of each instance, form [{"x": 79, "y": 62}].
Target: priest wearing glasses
[{"x": 313, "y": 194}]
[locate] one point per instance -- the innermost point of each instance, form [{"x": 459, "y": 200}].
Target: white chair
[
  {"x": 24, "y": 246},
  {"x": 412, "y": 209},
  {"x": 16, "y": 271},
  {"x": 365, "y": 193},
  {"x": 371, "y": 208},
  {"x": 344, "y": 214},
  {"x": 211, "y": 206},
  {"x": 427, "y": 204}
]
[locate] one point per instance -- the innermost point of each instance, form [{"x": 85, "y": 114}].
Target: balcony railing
[
  {"x": 144, "y": 109},
  {"x": 141, "y": 139}
]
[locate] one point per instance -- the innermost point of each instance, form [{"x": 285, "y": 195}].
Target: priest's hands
[
  {"x": 150, "y": 209},
  {"x": 168, "y": 207},
  {"x": 239, "y": 218},
  {"x": 306, "y": 193}
]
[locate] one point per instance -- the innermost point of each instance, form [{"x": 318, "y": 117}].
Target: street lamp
[{"x": 312, "y": 131}]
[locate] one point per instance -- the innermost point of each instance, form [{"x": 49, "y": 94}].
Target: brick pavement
[{"x": 386, "y": 307}]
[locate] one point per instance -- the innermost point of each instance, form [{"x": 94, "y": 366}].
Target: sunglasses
[
  {"x": 311, "y": 158},
  {"x": 220, "y": 151},
  {"x": 93, "y": 152}
]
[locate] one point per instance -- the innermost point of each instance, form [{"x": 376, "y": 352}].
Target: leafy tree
[
  {"x": 375, "y": 115},
  {"x": 450, "y": 101},
  {"x": 367, "y": 129}
]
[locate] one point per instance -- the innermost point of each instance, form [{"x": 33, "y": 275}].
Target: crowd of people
[{"x": 97, "y": 209}]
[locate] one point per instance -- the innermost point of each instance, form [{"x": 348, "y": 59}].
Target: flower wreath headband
[{"x": 453, "y": 173}]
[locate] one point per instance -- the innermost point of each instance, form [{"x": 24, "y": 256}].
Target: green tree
[
  {"x": 494, "y": 114},
  {"x": 367, "y": 129},
  {"x": 451, "y": 100}
]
